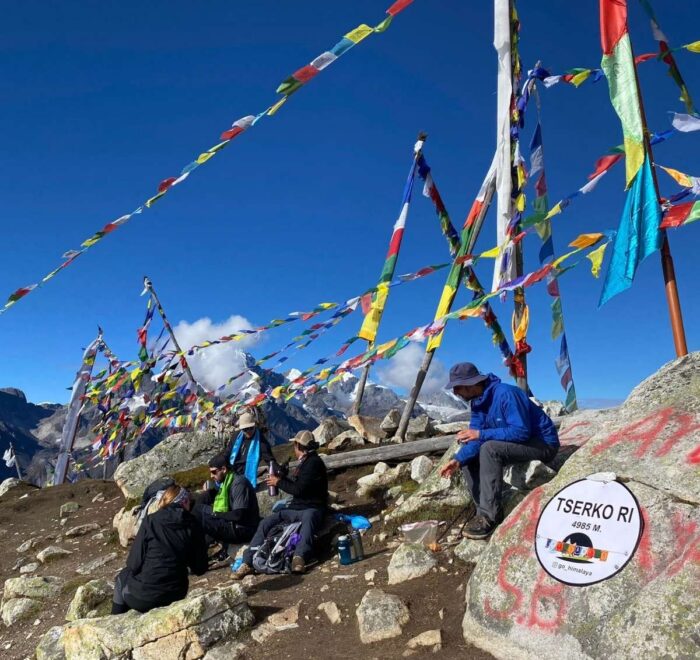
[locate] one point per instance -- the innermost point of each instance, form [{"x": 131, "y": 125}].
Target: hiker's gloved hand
[{"x": 463, "y": 437}]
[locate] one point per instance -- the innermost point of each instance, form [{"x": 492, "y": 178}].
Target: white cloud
[
  {"x": 400, "y": 372},
  {"x": 212, "y": 366}
]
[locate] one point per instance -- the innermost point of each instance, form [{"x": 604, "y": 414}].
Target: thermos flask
[
  {"x": 356, "y": 539},
  {"x": 272, "y": 490}
]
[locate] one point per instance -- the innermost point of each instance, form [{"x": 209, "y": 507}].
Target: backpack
[{"x": 274, "y": 554}]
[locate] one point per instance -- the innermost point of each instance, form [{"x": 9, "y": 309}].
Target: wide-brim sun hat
[
  {"x": 246, "y": 421},
  {"x": 464, "y": 373}
]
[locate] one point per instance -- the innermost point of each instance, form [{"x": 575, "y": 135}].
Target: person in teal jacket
[{"x": 505, "y": 427}]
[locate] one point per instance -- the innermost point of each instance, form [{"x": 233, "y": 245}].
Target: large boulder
[
  {"x": 92, "y": 599},
  {"x": 179, "y": 452},
  {"x": 9, "y": 484},
  {"x": 23, "y": 596},
  {"x": 329, "y": 428},
  {"x": 652, "y": 443},
  {"x": 125, "y": 522},
  {"x": 410, "y": 561},
  {"x": 419, "y": 427},
  {"x": 185, "y": 629},
  {"x": 436, "y": 498},
  {"x": 350, "y": 439},
  {"x": 370, "y": 428},
  {"x": 382, "y": 478},
  {"x": 391, "y": 421},
  {"x": 379, "y": 616}
]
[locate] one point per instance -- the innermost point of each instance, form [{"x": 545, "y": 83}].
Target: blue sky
[{"x": 101, "y": 101}]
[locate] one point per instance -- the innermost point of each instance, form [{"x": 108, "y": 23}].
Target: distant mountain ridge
[{"x": 35, "y": 429}]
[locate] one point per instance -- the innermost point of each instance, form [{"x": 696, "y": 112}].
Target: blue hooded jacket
[{"x": 505, "y": 413}]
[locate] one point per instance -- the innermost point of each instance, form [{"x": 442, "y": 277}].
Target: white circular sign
[{"x": 588, "y": 532}]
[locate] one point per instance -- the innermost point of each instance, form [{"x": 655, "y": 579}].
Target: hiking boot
[
  {"x": 242, "y": 571},
  {"x": 479, "y": 527},
  {"x": 298, "y": 565}
]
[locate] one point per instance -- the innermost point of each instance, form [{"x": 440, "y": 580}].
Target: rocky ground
[
  {"x": 434, "y": 601},
  {"x": 403, "y": 599}
]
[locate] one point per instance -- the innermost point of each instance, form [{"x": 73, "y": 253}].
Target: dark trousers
[
  {"x": 123, "y": 600},
  {"x": 311, "y": 521},
  {"x": 484, "y": 473},
  {"x": 220, "y": 529}
]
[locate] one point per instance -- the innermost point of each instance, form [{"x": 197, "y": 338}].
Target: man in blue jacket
[{"x": 505, "y": 427}]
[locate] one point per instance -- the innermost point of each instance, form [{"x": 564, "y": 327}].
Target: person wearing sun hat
[
  {"x": 248, "y": 448},
  {"x": 308, "y": 486},
  {"x": 505, "y": 427}
]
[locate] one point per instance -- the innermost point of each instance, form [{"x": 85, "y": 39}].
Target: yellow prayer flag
[
  {"x": 520, "y": 202},
  {"x": 683, "y": 179},
  {"x": 274, "y": 108},
  {"x": 491, "y": 254},
  {"x": 520, "y": 332},
  {"x": 693, "y": 47},
  {"x": 556, "y": 262},
  {"x": 596, "y": 257},
  {"x": 359, "y": 33},
  {"x": 383, "y": 348},
  {"x": 204, "y": 157},
  {"x": 585, "y": 240},
  {"x": 555, "y": 210},
  {"x": 446, "y": 298},
  {"x": 277, "y": 391},
  {"x": 580, "y": 78},
  {"x": 370, "y": 325}
]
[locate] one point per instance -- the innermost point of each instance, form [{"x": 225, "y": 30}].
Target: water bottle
[
  {"x": 356, "y": 539},
  {"x": 272, "y": 490},
  {"x": 344, "y": 550}
]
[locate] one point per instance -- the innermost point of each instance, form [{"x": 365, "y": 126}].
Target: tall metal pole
[
  {"x": 670, "y": 285},
  {"x": 428, "y": 357},
  {"x": 149, "y": 287}
]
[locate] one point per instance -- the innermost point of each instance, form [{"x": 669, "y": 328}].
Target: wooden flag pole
[
  {"x": 669, "y": 271},
  {"x": 149, "y": 287},
  {"x": 357, "y": 404},
  {"x": 14, "y": 454},
  {"x": 428, "y": 357}
]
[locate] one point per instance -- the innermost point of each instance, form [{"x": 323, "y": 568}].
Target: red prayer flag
[
  {"x": 166, "y": 183},
  {"x": 306, "y": 73},
  {"x": 605, "y": 163},
  {"x": 398, "y": 6},
  {"x": 231, "y": 133},
  {"x": 676, "y": 215}
]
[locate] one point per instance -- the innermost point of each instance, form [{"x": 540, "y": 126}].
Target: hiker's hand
[
  {"x": 449, "y": 469},
  {"x": 272, "y": 480},
  {"x": 463, "y": 437}
]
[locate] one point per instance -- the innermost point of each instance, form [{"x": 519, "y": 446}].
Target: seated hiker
[
  {"x": 505, "y": 428},
  {"x": 248, "y": 448},
  {"x": 309, "y": 489},
  {"x": 168, "y": 542},
  {"x": 228, "y": 512}
]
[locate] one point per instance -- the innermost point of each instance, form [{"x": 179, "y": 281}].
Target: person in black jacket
[
  {"x": 309, "y": 490},
  {"x": 228, "y": 512},
  {"x": 168, "y": 542}
]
